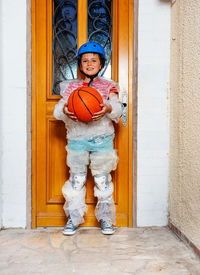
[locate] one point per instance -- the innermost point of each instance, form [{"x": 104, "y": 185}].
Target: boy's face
[{"x": 90, "y": 63}]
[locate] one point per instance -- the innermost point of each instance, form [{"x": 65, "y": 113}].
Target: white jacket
[{"x": 82, "y": 130}]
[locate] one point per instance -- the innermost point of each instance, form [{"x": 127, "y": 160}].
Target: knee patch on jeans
[
  {"x": 104, "y": 187},
  {"x": 78, "y": 181}
]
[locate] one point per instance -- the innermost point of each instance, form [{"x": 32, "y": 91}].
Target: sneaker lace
[
  {"x": 69, "y": 222},
  {"x": 106, "y": 224}
]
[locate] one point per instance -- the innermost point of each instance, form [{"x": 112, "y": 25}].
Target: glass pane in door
[
  {"x": 64, "y": 44},
  {"x": 100, "y": 29}
]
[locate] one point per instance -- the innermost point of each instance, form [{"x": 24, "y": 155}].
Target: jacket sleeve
[
  {"x": 58, "y": 110},
  {"x": 116, "y": 108}
]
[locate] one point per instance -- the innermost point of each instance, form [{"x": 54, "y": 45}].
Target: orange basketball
[{"x": 84, "y": 102}]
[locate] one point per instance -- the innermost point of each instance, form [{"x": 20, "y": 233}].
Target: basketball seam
[
  {"x": 84, "y": 102},
  {"x": 91, "y": 94},
  {"x": 73, "y": 104}
]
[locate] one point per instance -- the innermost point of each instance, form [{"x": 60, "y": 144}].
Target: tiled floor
[{"x": 140, "y": 251}]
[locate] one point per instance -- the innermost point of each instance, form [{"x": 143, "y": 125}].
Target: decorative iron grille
[
  {"x": 100, "y": 28},
  {"x": 64, "y": 42}
]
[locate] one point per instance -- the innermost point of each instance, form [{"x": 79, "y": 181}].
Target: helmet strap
[{"x": 91, "y": 77}]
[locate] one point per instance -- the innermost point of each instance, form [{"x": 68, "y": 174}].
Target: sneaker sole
[
  {"x": 107, "y": 232},
  {"x": 69, "y": 233}
]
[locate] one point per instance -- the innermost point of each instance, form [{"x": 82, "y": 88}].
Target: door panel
[{"x": 48, "y": 135}]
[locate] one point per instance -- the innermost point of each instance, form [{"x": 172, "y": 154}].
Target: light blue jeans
[
  {"x": 95, "y": 144},
  {"x": 97, "y": 152}
]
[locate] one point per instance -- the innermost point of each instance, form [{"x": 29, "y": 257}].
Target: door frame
[{"x": 132, "y": 125}]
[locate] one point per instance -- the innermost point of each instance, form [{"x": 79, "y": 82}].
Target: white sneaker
[{"x": 107, "y": 228}]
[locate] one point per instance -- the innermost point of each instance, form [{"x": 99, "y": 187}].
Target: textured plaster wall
[
  {"x": 184, "y": 196},
  {"x": 1, "y": 149}
]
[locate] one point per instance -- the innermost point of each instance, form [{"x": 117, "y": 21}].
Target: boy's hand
[
  {"x": 105, "y": 109},
  {"x": 68, "y": 113}
]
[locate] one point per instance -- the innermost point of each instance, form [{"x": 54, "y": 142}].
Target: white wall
[
  {"x": 153, "y": 128},
  {"x": 13, "y": 113}
]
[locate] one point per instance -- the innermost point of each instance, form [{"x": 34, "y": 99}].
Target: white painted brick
[
  {"x": 153, "y": 117},
  {"x": 149, "y": 217},
  {"x": 13, "y": 112}
]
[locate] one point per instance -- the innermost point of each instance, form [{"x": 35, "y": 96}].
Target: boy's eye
[{"x": 86, "y": 61}]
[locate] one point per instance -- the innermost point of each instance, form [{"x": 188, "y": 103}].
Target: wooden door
[{"x": 49, "y": 171}]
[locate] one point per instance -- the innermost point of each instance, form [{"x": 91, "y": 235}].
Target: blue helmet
[{"x": 91, "y": 47}]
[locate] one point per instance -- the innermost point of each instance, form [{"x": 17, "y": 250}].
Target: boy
[{"x": 90, "y": 143}]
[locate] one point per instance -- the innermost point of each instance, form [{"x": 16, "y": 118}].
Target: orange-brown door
[{"x": 49, "y": 171}]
